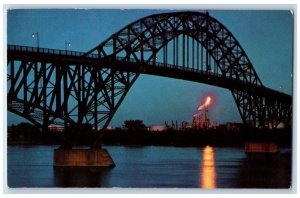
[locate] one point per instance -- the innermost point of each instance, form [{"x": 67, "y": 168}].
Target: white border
[{"x": 155, "y": 4}]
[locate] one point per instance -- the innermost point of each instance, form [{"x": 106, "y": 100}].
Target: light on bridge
[
  {"x": 36, "y": 35},
  {"x": 67, "y": 44}
]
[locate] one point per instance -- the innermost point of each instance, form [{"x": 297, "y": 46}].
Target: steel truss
[
  {"x": 198, "y": 42},
  {"x": 53, "y": 86},
  {"x": 60, "y": 92}
]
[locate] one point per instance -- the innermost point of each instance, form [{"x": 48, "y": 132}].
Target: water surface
[{"x": 152, "y": 166}]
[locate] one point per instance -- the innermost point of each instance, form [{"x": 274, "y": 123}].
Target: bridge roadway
[{"x": 67, "y": 58}]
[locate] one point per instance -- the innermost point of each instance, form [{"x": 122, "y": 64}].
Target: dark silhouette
[
  {"x": 134, "y": 125},
  {"x": 77, "y": 134},
  {"x": 136, "y": 133}
]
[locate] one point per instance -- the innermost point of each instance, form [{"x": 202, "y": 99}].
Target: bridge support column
[{"x": 82, "y": 158}]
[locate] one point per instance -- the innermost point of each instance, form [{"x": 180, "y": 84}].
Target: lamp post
[
  {"x": 67, "y": 44},
  {"x": 36, "y": 35},
  {"x": 281, "y": 88}
]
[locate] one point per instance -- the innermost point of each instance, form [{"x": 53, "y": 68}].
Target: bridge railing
[
  {"x": 208, "y": 73},
  {"x": 18, "y": 48},
  {"x": 172, "y": 66},
  {"x": 95, "y": 56}
]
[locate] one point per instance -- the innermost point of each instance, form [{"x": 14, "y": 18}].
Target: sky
[{"x": 266, "y": 37}]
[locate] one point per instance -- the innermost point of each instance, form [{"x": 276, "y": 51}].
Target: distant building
[
  {"x": 157, "y": 128},
  {"x": 56, "y": 128},
  {"x": 201, "y": 120},
  {"x": 281, "y": 125},
  {"x": 184, "y": 124},
  {"x": 233, "y": 126},
  {"x": 110, "y": 128}
]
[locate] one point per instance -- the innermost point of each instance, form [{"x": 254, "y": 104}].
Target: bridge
[{"x": 49, "y": 86}]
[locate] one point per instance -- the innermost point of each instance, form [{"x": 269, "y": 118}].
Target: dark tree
[
  {"x": 77, "y": 134},
  {"x": 25, "y": 131},
  {"x": 134, "y": 125}
]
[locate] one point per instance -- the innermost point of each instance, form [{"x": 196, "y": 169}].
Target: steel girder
[
  {"x": 89, "y": 87},
  {"x": 55, "y": 92},
  {"x": 142, "y": 40},
  {"x": 262, "y": 111}
]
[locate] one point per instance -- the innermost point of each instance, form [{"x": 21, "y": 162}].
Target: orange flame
[{"x": 206, "y": 104}]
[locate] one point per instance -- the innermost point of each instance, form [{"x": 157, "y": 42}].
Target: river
[{"x": 153, "y": 167}]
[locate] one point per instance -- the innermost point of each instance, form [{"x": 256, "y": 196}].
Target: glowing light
[
  {"x": 206, "y": 103},
  {"x": 208, "y": 173}
]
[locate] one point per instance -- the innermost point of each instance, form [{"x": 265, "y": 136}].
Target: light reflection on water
[
  {"x": 208, "y": 172},
  {"x": 152, "y": 167}
]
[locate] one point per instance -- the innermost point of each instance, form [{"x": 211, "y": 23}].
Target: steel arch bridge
[{"x": 49, "y": 86}]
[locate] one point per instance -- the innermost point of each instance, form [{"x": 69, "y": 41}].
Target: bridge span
[{"x": 49, "y": 86}]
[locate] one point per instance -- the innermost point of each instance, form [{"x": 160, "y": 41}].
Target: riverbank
[{"x": 187, "y": 138}]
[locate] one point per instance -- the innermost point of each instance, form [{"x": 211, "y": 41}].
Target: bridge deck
[{"x": 161, "y": 69}]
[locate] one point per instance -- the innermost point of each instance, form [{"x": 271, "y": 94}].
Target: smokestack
[
  {"x": 206, "y": 118},
  {"x": 166, "y": 123}
]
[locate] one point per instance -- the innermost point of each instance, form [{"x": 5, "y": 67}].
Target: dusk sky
[{"x": 266, "y": 37}]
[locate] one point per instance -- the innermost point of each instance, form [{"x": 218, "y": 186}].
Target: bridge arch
[
  {"x": 186, "y": 44},
  {"x": 218, "y": 41},
  {"x": 153, "y": 33}
]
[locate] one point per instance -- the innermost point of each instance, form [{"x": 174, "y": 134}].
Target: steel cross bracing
[
  {"x": 51, "y": 87},
  {"x": 54, "y": 86},
  {"x": 195, "y": 41}
]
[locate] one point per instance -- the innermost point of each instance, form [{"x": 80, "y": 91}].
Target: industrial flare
[{"x": 206, "y": 103}]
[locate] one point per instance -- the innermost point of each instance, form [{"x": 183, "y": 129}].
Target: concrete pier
[
  {"x": 261, "y": 147},
  {"x": 261, "y": 151},
  {"x": 82, "y": 158}
]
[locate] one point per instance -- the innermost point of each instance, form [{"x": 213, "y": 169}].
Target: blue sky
[{"x": 266, "y": 37}]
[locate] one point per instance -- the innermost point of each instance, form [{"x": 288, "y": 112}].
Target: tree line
[{"x": 134, "y": 132}]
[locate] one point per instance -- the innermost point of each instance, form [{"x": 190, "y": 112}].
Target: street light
[
  {"x": 281, "y": 88},
  {"x": 36, "y": 35},
  {"x": 67, "y": 44}
]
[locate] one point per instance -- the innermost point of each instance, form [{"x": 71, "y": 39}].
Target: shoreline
[{"x": 171, "y": 137}]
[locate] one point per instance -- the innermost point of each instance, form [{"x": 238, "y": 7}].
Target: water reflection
[
  {"x": 80, "y": 176},
  {"x": 208, "y": 173},
  {"x": 152, "y": 166}
]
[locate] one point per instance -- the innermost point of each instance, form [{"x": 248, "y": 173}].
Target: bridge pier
[{"x": 82, "y": 158}]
